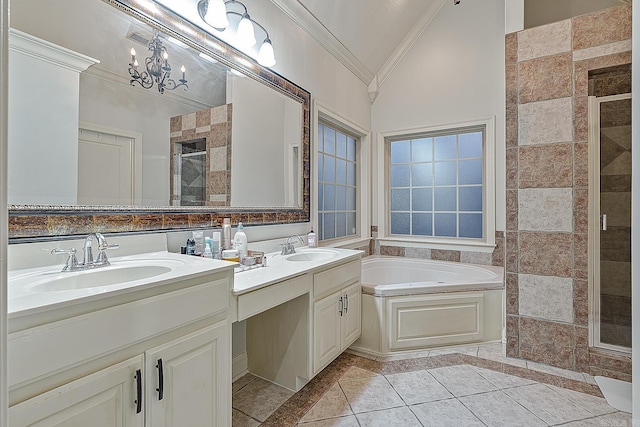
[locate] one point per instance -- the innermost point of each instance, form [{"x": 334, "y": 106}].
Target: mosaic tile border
[
  {"x": 290, "y": 413},
  {"x": 34, "y": 222}
]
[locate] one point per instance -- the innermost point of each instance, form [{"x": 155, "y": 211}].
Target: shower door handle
[{"x": 604, "y": 222}]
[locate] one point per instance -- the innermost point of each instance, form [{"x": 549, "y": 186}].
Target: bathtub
[{"x": 412, "y": 304}]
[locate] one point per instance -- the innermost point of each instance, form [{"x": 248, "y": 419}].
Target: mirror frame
[{"x": 45, "y": 222}]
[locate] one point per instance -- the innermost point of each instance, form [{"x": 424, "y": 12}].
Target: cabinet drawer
[
  {"x": 329, "y": 281},
  {"x": 255, "y": 302}
]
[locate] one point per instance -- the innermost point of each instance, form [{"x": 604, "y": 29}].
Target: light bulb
[
  {"x": 246, "y": 34},
  {"x": 216, "y": 15},
  {"x": 133, "y": 52},
  {"x": 266, "y": 57}
]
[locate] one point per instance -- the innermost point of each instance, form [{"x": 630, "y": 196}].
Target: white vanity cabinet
[
  {"x": 103, "y": 399},
  {"x": 187, "y": 380},
  {"x": 336, "y": 312},
  {"x": 160, "y": 360}
]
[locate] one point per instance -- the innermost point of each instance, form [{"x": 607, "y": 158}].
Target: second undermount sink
[{"x": 312, "y": 255}]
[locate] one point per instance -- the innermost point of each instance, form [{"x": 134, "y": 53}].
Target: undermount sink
[
  {"x": 103, "y": 276},
  {"x": 312, "y": 255},
  {"x": 116, "y": 274}
]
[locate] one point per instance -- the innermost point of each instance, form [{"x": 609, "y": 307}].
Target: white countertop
[
  {"x": 28, "y": 295},
  {"x": 279, "y": 268}
]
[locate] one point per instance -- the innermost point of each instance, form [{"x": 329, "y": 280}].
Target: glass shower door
[{"x": 613, "y": 293}]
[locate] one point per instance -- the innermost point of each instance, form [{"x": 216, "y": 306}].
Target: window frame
[
  {"x": 485, "y": 244},
  {"x": 323, "y": 114}
]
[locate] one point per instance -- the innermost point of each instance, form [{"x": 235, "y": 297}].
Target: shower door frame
[{"x": 595, "y": 222}]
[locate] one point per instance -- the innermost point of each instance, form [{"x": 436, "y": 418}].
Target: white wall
[
  {"x": 258, "y": 137},
  {"x": 43, "y": 130},
  {"x": 453, "y": 73}
]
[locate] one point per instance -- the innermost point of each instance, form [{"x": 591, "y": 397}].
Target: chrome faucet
[
  {"x": 288, "y": 248},
  {"x": 101, "y": 260}
]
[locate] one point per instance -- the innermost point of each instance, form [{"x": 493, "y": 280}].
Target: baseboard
[{"x": 239, "y": 366}]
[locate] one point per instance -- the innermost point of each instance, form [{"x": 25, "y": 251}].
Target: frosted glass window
[
  {"x": 422, "y": 174},
  {"x": 470, "y": 172},
  {"x": 422, "y": 224},
  {"x": 400, "y": 223},
  {"x": 445, "y": 173},
  {"x": 445, "y": 198},
  {"x": 400, "y": 199},
  {"x": 400, "y": 176},
  {"x": 436, "y": 184},
  {"x": 471, "y": 225},
  {"x": 470, "y": 199},
  {"x": 445, "y": 147},
  {"x": 337, "y": 183},
  {"x": 421, "y": 199}
]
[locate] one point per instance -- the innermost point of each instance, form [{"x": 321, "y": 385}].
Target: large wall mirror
[{"x": 93, "y": 147}]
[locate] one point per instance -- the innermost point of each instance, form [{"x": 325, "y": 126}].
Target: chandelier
[
  {"x": 157, "y": 69},
  {"x": 215, "y": 13}
]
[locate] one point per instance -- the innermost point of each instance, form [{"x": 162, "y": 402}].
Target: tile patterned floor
[{"x": 464, "y": 386}]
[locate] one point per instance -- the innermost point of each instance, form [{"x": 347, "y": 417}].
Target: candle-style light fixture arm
[{"x": 157, "y": 69}]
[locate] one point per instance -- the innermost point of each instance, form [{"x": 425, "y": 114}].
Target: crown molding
[{"x": 312, "y": 26}]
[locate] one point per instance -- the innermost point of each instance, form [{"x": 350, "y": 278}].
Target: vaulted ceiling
[{"x": 368, "y": 36}]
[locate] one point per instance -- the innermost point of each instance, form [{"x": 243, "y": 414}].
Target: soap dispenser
[
  {"x": 240, "y": 241},
  {"x": 312, "y": 242}
]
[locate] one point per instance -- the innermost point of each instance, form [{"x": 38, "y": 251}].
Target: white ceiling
[{"x": 368, "y": 36}]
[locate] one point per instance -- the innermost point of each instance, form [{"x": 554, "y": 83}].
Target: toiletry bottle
[
  {"x": 215, "y": 245},
  {"x": 207, "y": 251},
  {"x": 226, "y": 233},
  {"x": 191, "y": 247},
  {"x": 240, "y": 241},
  {"x": 311, "y": 239}
]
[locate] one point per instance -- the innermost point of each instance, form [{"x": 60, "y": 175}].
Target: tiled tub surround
[
  {"x": 495, "y": 258},
  {"x": 546, "y": 239},
  {"x": 458, "y": 386}
]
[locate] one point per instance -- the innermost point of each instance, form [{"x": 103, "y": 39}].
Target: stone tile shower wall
[
  {"x": 547, "y": 79},
  {"x": 214, "y": 126}
]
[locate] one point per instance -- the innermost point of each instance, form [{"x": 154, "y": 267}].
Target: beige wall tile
[
  {"x": 545, "y": 209},
  {"x": 545, "y": 122},
  {"x": 189, "y": 121},
  {"x": 549, "y": 77},
  {"x": 511, "y": 48},
  {"x": 482, "y": 258},
  {"x": 544, "y": 40},
  {"x": 604, "y": 27},
  {"x": 218, "y": 159},
  {"x": 545, "y": 254},
  {"x": 547, "y": 342},
  {"x": 602, "y": 50},
  {"x": 546, "y": 297},
  {"x": 546, "y": 166}
]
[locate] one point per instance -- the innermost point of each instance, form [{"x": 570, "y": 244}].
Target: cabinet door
[
  {"x": 189, "y": 380},
  {"x": 326, "y": 337},
  {"x": 351, "y": 324},
  {"x": 107, "y": 398}
]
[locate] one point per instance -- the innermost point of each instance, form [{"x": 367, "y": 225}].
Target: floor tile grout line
[{"x": 473, "y": 413}]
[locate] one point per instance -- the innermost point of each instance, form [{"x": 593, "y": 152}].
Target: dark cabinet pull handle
[
  {"x": 160, "y": 388},
  {"x": 346, "y": 303},
  {"x": 138, "y": 401},
  {"x": 341, "y": 306}
]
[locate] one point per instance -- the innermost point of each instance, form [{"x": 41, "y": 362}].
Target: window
[
  {"x": 440, "y": 183},
  {"x": 337, "y": 183}
]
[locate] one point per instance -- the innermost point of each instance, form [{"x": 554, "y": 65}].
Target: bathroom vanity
[
  {"x": 301, "y": 313},
  {"x": 146, "y": 341}
]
